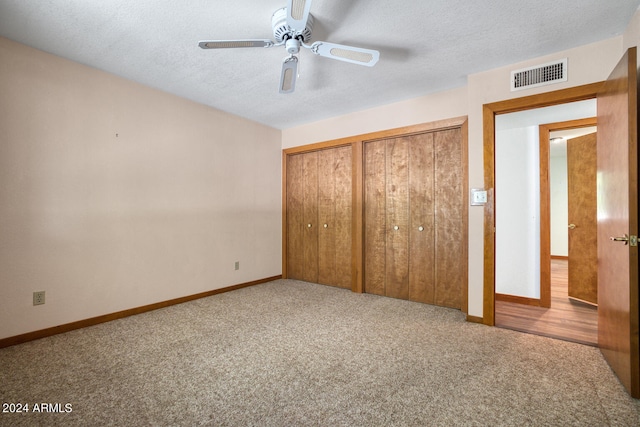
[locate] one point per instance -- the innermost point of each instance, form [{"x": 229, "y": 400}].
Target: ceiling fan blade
[
  {"x": 231, "y": 44},
  {"x": 354, "y": 55},
  {"x": 298, "y": 14},
  {"x": 288, "y": 75}
]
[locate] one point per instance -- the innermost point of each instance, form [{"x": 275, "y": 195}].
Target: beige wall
[
  {"x": 438, "y": 106},
  {"x": 586, "y": 64},
  {"x": 114, "y": 195},
  {"x": 631, "y": 36}
]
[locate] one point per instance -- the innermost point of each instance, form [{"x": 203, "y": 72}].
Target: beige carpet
[{"x": 289, "y": 353}]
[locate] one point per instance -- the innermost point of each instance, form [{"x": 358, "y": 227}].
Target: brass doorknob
[
  {"x": 395, "y": 227},
  {"x": 572, "y": 226},
  {"x": 309, "y": 225},
  {"x": 326, "y": 226},
  {"x": 421, "y": 228}
]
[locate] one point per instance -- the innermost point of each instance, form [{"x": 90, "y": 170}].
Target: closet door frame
[{"x": 357, "y": 145}]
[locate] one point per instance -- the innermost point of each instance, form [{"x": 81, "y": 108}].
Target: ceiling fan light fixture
[{"x": 292, "y": 46}]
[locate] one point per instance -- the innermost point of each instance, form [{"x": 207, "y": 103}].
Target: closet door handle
[
  {"x": 326, "y": 226},
  {"x": 421, "y": 228},
  {"x": 395, "y": 227},
  {"x": 309, "y": 225}
]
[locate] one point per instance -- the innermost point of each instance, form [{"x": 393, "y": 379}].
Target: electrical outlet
[
  {"x": 38, "y": 298},
  {"x": 237, "y": 265}
]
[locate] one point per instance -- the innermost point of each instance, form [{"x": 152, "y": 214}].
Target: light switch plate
[{"x": 478, "y": 196}]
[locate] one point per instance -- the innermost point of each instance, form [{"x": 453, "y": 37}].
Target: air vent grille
[{"x": 540, "y": 75}]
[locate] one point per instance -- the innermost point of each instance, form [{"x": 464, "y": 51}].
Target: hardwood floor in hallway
[{"x": 566, "y": 319}]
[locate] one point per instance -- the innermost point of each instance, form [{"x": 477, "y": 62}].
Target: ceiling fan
[{"x": 292, "y": 27}]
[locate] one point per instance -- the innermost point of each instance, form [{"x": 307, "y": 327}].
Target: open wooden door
[
  {"x": 618, "y": 222},
  {"x": 582, "y": 189}
]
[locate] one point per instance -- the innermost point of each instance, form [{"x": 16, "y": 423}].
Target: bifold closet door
[
  {"x": 422, "y": 221},
  {"x": 302, "y": 215},
  {"x": 319, "y": 216},
  {"x": 414, "y": 213},
  {"x": 375, "y": 216},
  {"x": 310, "y": 216},
  {"x": 295, "y": 221},
  {"x": 450, "y": 228},
  {"x": 334, "y": 217},
  {"x": 399, "y": 218}
]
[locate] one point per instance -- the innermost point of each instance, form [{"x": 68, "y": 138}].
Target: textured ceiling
[{"x": 425, "y": 46}]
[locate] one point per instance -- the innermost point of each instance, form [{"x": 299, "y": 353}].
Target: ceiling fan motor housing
[{"x": 282, "y": 32}]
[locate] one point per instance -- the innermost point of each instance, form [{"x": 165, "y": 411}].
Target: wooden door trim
[
  {"x": 284, "y": 215},
  {"x": 357, "y": 209},
  {"x": 489, "y": 111},
  {"x": 465, "y": 188},
  {"x": 545, "y": 201},
  {"x": 454, "y": 122},
  {"x": 519, "y": 300}
]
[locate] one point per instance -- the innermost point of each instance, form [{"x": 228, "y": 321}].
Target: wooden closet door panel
[
  {"x": 343, "y": 215},
  {"x": 421, "y": 218},
  {"x": 375, "y": 207},
  {"x": 397, "y": 242},
  {"x": 295, "y": 218},
  {"x": 310, "y": 215},
  {"x": 450, "y": 243},
  {"x": 326, "y": 218}
]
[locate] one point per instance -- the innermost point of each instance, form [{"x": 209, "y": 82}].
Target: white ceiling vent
[{"x": 540, "y": 75}]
